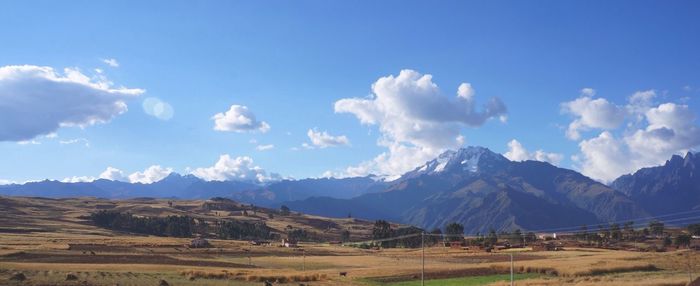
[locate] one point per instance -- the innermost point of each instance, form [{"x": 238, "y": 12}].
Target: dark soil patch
[
  {"x": 487, "y": 258},
  {"x": 483, "y": 271},
  {"x": 21, "y": 230},
  {"x": 114, "y": 259}
]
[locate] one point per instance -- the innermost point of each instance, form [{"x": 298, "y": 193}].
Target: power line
[{"x": 636, "y": 222}]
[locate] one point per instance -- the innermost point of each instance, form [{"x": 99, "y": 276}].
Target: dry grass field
[{"x": 49, "y": 243}]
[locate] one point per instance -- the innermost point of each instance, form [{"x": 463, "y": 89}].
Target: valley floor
[
  {"x": 48, "y": 242},
  {"x": 49, "y": 258}
]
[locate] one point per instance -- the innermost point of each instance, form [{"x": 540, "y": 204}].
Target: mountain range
[
  {"x": 483, "y": 190},
  {"x": 673, "y": 187},
  {"x": 191, "y": 187},
  {"x": 473, "y": 186}
]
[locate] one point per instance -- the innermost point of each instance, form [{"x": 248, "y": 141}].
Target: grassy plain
[{"x": 46, "y": 240}]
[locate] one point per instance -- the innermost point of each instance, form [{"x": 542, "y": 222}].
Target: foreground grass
[{"x": 461, "y": 281}]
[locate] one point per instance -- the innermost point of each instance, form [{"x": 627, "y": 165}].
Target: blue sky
[{"x": 289, "y": 62}]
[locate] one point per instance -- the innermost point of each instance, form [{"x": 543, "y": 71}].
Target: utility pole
[
  {"x": 303, "y": 259},
  {"x": 511, "y": 269},
  {"x": 690, "y": 273},
  {"x": 422, "y": 271}
]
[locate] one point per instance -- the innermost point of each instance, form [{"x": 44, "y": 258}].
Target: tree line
[{"x": 180, "y": 226}]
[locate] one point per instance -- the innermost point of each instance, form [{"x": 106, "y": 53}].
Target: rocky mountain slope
[
  {"x": 673, "y": 187},
  {"x": 482, "y": 190}
]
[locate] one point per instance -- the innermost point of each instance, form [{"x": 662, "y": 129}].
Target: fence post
[{"x": 422, "y": 271}]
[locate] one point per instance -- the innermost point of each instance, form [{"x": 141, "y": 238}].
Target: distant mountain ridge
[
  {"x": 191, "y": 187},
  {"x": 673, "y": 187},
  {"x": 482, "y": 190},
  {"x": 473, "y": 186}
]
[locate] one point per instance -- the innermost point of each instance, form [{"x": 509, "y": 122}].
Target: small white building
[{"x": 289, "y": 242}]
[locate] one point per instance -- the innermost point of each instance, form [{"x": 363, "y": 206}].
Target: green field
[{"x": 461, "y": 281}]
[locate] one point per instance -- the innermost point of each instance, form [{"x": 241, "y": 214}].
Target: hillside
[
  {"x": 673, "y": 187},
  {"x": 483, "y": 190},
  {"x": 69, "y": 215}
]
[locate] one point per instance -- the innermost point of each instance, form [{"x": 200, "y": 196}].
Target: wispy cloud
[
  {"x": 265, "y": 147},
  {"x": 112, "y": 62},
  {"x": 75, "y": 141}
]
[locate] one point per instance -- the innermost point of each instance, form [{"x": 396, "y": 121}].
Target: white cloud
[
  {"x": 6, "y": 182},
  {"x": 111, "y": 62},
  {"x": 38, "y": 100},
  {"x": 239, "y": 119},
  {"x": 75, "y": 141},
  {"x": 265, "y": 147},
  {"x": 158, "y": 108},
  {"x": 654, "y": 134},
  {"x": 516, "y": 152},
  {"x": 234, "y": 169},
  {"x": 416, "y": 121},
  {"x": 604, "y": 158},
  {"x": 322, "y": 139},
  {"x": 114, "y": 174},
  {"x": 29, "y": 142},
  {"x": 591, "y": 113},
  {"x": 639, "y": 103},
  {"x": 78, "y": 179},
  {"x": 587, "y": 91},
  {"x": 152, "y": 174}
]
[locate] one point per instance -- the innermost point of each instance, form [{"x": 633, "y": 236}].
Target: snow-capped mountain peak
[{"x": 463, "y": 160}]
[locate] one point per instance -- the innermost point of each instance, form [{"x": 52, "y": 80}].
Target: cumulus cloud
[
  {"x": 6, "y": 182},
  {"x": 516, "y": 152},
  {"x": 265, "y": 147},
  {"x": 114, "y": 174},
  {"x": 591, "y": 113},
  {"x": 111, "y": 62},
  {"x": 604, "y": 158},
  {"x": 239, "y": 119},
  {"x": 152, "y": 174},
  {"x": 37, "y": 100},
  {"x": 78, "y": 179},
  {"x": 416, "y": 120},
  {"x": 234, "y": 169},
  {"x": 322, "y": 139},
  {"x": 653, "y": 134}
]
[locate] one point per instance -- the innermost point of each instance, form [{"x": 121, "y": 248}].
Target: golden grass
[{"x": 322, "y": 264}]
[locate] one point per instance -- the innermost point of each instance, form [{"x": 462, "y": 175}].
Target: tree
[
  {"x": 604, "y": 232},
  {"x": 583, "y": 233},
  {"x": 629, "y": 230},
  {"x": 667, "y": 241},
  {"x": 694, "y": 229},
  {"x": 492, "y": 238},
  {"x": 297, "y": 234},
  {"x": 381, "y": 230},
  {"x": 530, "y": 237},
  {"x": 454, "y": 232},
  {"x": 435, "y": 236},
  {"x": 345, "y": 236},
  {"x": 284, "y": 210},
  {"x": 409, "y": 242},
  {"x": 656, "y": 227},
  {"x": 682, "y": 240},
  {"x": 615, "y": 232}
]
